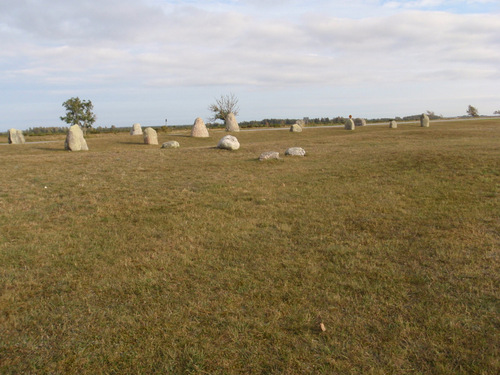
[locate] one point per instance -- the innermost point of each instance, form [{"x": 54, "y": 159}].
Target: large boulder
[
  {"x": 229, "y": 142},
  {"x": 359, "y": 122},
  {"x": 136, "y": 129},
  {"x": 269, "y": 155},
  {"x": 171, "y": 144},
  {"x": 199, "y": 129},
  {"x": 349, "y": 124},
  {"x": 231, "y": 123},
  {"x": 74, "y": 139},
  {"x": 295, "y": 128},
  {"x": 16, "y": 137},
  {"x": 393, "y": 124},
  {"x": 150, "y": 136},
  {"x": 424, "y": 120},
  {"x": 295, "y": 151}
]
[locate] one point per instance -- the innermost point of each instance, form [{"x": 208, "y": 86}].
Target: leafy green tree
[
  {"x": 472, "y": 111},
  {"x": 79, "y": 112},
  {"x": 223, "y": 106}
]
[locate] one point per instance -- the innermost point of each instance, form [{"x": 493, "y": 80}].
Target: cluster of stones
[
  {"x": 15, "y": 137},
  {"x": 275, "y": 155}
]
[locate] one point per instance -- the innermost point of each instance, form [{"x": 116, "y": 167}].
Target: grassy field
[{"x": 131, "y": 259}]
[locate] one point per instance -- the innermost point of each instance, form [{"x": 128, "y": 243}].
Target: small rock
[
  {"x": 170, "y": 144},
  {"x": 269, "y": 155},
  {"x": 229, "y": 142},
  {"x": 150, "y": 136},
  {"x": 15, "y": 137},
  {"x": 295, "y": 151},
  {"x": 136, "y": 129},
  {"x": 349, "y": 124},
  {"x": 322, "y": 327},
  {"x": 295, "y": 128}
]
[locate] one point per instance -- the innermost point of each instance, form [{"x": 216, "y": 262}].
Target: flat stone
[
  {"x": 171, "y": 144},
  {"x": 269, "y": 155},
  {"x": 229, "y": 142},
  {"x": 295, "y": 151}
]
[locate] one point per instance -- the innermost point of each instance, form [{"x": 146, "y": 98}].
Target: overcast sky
[{"x": 147, "y": 60}]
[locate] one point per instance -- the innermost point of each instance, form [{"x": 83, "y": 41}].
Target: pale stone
[
  {"x": 150, "y": 136},
  {"x": 301, "y": 123},
  {"x": 136, "y": 129},
  {"x": 424, "y": 120},
  {"x": 75, "y": 140},
  {"x": 199, "y": 129},
  {"x": 295, "y": 128},
  {"x": 393, "y": 124},
  {"x": 171, "y": 144},
  {"x": 295, "y": 151},
  {"x": 349, "y": 124},
  {"x": 269, "y": 155},
  {"x": 360, "y": 122},
  {"x": 229, "y": 142},
  {"x": 231, "y": 123},
  {"x": 16, "y": 137}
]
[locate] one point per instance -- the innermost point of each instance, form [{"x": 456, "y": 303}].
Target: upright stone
[
  {"x": 393, "y": 124},
  {"x": 16, "y": 137},
  {"x": 75, "y": 140},
  {"x": 424, "y": 120},
  {"x": 136, "y": 129},
  {"x": 295, "y": 128},
  {"x": 301, "y": 123},
  {"x": 150, "y": 136},
  {"x": 229, "y": 142},
  {"x": 359, "y": 122},
  {"x": 199, "y": 129},
  {"x": 231, "y": 123},
  {"x": 349, "y": 124}
]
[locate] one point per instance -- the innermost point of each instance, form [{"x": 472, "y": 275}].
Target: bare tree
[{"x": 223, "y": 106}]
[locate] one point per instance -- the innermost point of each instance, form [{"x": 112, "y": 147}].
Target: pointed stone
[
  {"x": 231, "y": 123},
  {"x": 199, "y": 129}
]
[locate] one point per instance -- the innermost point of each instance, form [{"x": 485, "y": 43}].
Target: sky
[{"x": 150, "y": 60}]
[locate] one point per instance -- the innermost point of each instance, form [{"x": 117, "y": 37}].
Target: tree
[
  {"x": 79, "y": 112},
  {"x": 472, "y": 111},
  {"x": 497, "y": 112},
  {"x": 223, "y": 106}
]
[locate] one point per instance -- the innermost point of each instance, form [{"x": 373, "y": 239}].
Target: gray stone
[
  {"x": 171, "y": 144},
  {"x": 295, "y": 128},
  {"x": 231, "y": 123},
  {"x": 393, "y": 124},
  {"x": 359, "y": 122},
  {"x": 199, "y": 129},
  {"x": 269, "y": 155},
  {"x": 229, "y": 142},
  {"x": 424, "y": 120},
  {"x": 74, "y": 139},
  {"x": 136, "y": 129},
  {"x": 16, "y": 137},
  {"x": 150, "y": 136},
  {"x": 349, "y": 124},
  {"x": 295, "y": 151}
]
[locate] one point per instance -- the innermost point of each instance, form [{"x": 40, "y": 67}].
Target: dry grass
[{"x": 135, "y": 259}]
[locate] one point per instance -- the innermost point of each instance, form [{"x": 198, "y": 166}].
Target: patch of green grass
[{"x": 135, "y": 259}]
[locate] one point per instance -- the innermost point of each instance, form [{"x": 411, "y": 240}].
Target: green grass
[{"x": 133, "y": 259}]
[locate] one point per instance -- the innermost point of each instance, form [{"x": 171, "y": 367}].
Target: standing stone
[
  {"x": 150, "y": 136},
  {"x": 199, "y": 129},
  {"x": 349, "y": 124},
  {"x": 359, "y": 122},
  {"x": 301, "y": 123},
  {"x": 231, "y": 124},
  {"x": 296, "y": 128},
  {"x": 424, "y": 120},
  {"x": 393, "y": 124},
  {"x": 295, "y": 151},
  {"x": 171, "y": 144},
  {"x": 16, "y": 137},
  {"x": 229, "y": 142},
  {"x": 75, "y": 140},
  {"x": 136, "y": 129},
  {"x": 269, "y": 155}
]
